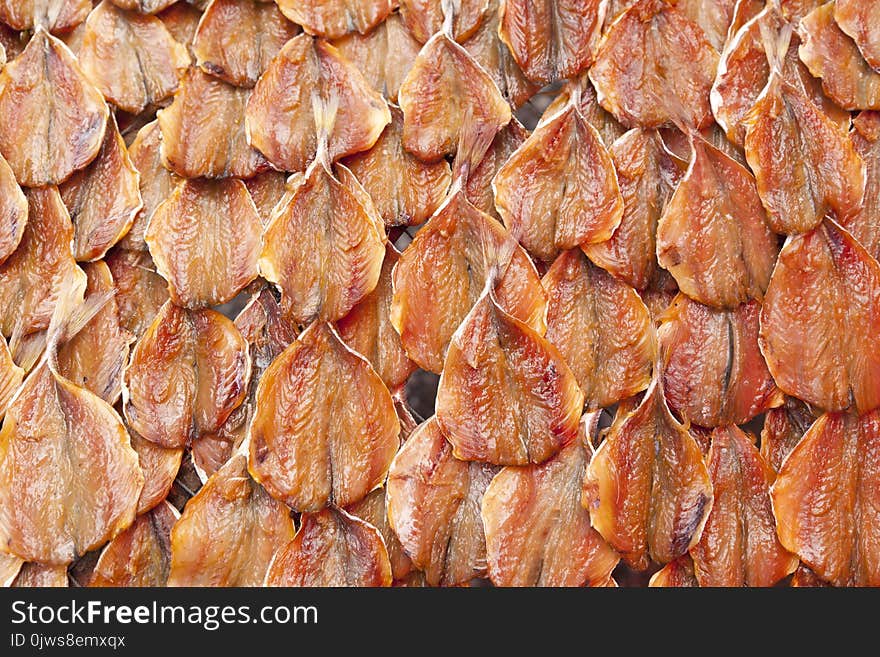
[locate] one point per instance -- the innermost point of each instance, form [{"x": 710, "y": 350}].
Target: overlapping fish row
[{"x": 685, "y": 244}]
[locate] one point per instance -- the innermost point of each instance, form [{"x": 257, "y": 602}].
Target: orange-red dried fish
[
  {"x": 647, "y": 487},
  {"x": 37, "y": 575},
  {"x": 713, "y": 235},
  {"x": 405, "y": 190},
  {"x": 645, "y": 180},
  {"x": 678, "y": 573},
  {"x": 155, "y": 182},
  {"x": 424, "y": 18},
  {"x": 714, "y": 373},
  {"x": 478, "y": 186},
  {"x": 13, "y": 211},
  {"x": 266, "y": 190},
  {"x": 140, "y": 291},
  {"x": 324, "y": 429},
  {"x": 205, "y": 240},
  {"x": 827, "y": 499},
  {"x": 537, "y": 532},
  {"x": 203, "y": 130},
  {"x": 367, "y": 329},
  {"x": 820, "y": 324},
  {"x": 324, "y": 245},
  {"x": 433, "y": 504},
  {"x": 834, "y": 57},
  {"x": 187, "y": 373},
  {"x": 490, "y": 52},
  {"x": 861, "y": 21},
  {"x": 384, "y": 56},
  {"x": 268, "y": 333},
  {"x": 10, "y": 565},
  {"x": 865, "y": 225},
  {"x": 783, "y": 429},
  {"x": 280, "y": 119},
  {"x": 795, "y": 10},
  {"x": 95, "y": 357},
  {"x": 332, "y": 548},
  {"x": 551, "y": 39},
  {"x": 449, "y": 101},
  {"x": 141, "y": 555},
  {"x": 66, "y": 115},
  {"x": 589, "y": 107},
  {"x": 31, "y": 278},
  {"x": 229, "y": 532},
  {"x": 373, "y": 509},
  {"x": 449, "y": 261},
  {"x": 144, "y": 6},
  {"x": 11, "y": 377},
  {"x": 655, "y": 66},
  {"x": 559, "y": 189},
  {"x": 160, "y": 466},
  {"x": 602, "y": 329},
  {"x": 743, "y": 73},
  {"x": 132, "y": 58},
  {"x": 713, "y": 16},
  {"x": 335, "y": 18},
  {"x": 181, "y": 19},
  {"x": 102, "y": 199},
  {"x": 804, "y": 165},
  {"x": 63, "y": 450},
  {"x": 236, "y": 39},
  {"x": 52, "y": 15},
  {"x": 506, "y": 395},
  {"x": 739, "y": 546}
]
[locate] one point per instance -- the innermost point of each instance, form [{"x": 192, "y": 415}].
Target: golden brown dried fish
[
  {"x": 13, "y": 211},
  {"x": 601, "y": 327},
  {"x": 405, "y": 190},
  {"x": 559, "y": 189},
  {"x": 335, "y": 18},
  {"x": 160, "y": 466},
  {"x": 647, "y": 487},
  {"x": 203, "y": 130},
  {"x": 865, "y": 225},
  {"x": 102, "y": 199},
  {"x": 537, "y": 532},
  {"x": 861, "y": 21},
  {"x": 833, "y": 56},
  {"x": 324, "y": 244},
  {"x": 826, "y": 499},
  {"x": 324, "y": 429},
  {"x": 433, "y": 504},
  {"x": 551, "y": 39},
  {"x": 229, "y": 532},
  {"x": 332, "y": 548},
  {"x": 783, "y": 429},
  {"x": 140, "y": 291},
  {"x": 506, "y": 395},
  {"x": 31, "y": 278},
  {"x": 187, "y": 373},
  {"x": 144, "y": 6},
  {"x": 38, "y": 575},
  {"x": 714, "y": 373},
  {"x": 373, "y": 509},
  {"x": 713, "y": 235},
  {"x": 266, "y": 190},
  {"x": 449, "y": 261},
  {"x": 655, "y": 66},
  {"x": 280, "y": 119},
  {"x": 236, "y": 39},
  {"x": 678, "y": 573},
  {"x": 52, "y": 15},
  {"x": 205, "y": 240},
  {"x": 132, "y": 58},
  {"x": 820, "y": 323},
  {"x": 739, "y": 546},
  {"x": 66, "y": 115},
  {"x": 141, "y": 555},
  {"x": 478, "y": 186},
  {"x": 424, "y": 18}
]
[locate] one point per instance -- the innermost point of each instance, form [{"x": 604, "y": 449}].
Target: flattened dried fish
[
  {"x": 602, "y": 329},
  {"x": 861, "y": 21},
  {"x": 335, "y": 18},
  {"x": 205, "y": 240},
  {"x": 678, "y": 573},
  {"x": 424, "y": 18},
  {"x": 506, "y": 395},
  {"x": 332, "y": 548},
  {"x": 66, "y": 114},
  {"x": 324, "y": 430},
  {"x": 53, "y": 15},
  {"x": 783, "y": 429},
  {"x": 373, "y": 509},
  {"x": 160, "y": 466},
  {"x": 13, "y": 211},
  {"x": 140, "y": 291},
  {"x": 865, "y": 225},
  {"x": 434, "y": 507}
]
